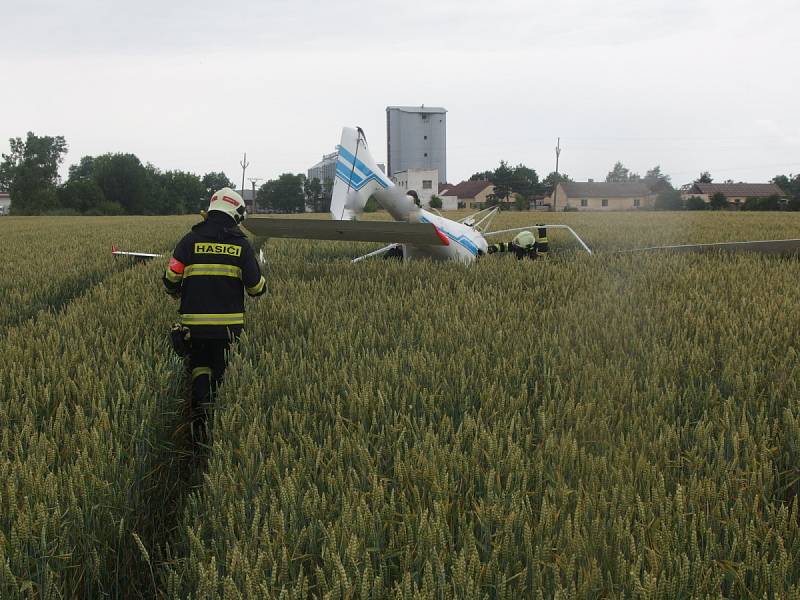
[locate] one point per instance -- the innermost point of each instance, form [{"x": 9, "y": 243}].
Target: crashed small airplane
[
  {"x": 415, "y": 232},
  {"x": 419, "y": 233}
]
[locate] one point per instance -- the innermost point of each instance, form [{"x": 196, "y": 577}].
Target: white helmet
[
  {"x": 524, "y": 239},
  {"x": 229, "y": 202}
]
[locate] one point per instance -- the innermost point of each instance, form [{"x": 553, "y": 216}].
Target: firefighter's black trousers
[{"x": 207, "y": 362}]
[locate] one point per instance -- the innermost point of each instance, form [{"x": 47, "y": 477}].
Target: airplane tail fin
[{"x": 357, "y": 176}]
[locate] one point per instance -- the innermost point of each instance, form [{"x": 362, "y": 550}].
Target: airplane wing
[
  {"x": 761, "y": 246},
  {"x": 398, "y": 232}
]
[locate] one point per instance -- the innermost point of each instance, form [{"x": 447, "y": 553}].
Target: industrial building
[
  {"x": 324, "y": 169},
  {"x": 416, "y": 139}
]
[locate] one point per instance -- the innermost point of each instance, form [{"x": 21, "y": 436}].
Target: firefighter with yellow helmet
[
  {"x": 524, "y": 245},
  {"x": 210, "y": 270}
]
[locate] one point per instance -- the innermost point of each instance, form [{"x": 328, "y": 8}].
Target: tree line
[
  {"x": 108, "y": 184},
  {"x": 119, "y": 183}
]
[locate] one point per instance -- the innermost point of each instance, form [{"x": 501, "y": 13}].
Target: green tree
[
  {"x": 503, "y": 180},
  {"x": 181, "y": 192},
  {"x": 695, "y": 203},
  {"x": 83, "y": 170},
  {"x": 283, "y": 195},
  {"x": 482, "y": 176},
  {"x": 705, "y": 177},
  {"x": 669, "y": 199},
  {"x": 312, "y": 188},
  {"x": 30, "y": 172},
  {"x": 124, "y": 180},
  {"x": 82, "y": 195},
  {"x": 621, "y": 174},
  {"x": 214, "y": 181},
  {"x": 525, "y": 181},
  {"x": 718, "y": 201},
  {"x": 550, "y": 182},
  {"x": 435, "y": 202},
  {"x": 657, "y": 181},
  {"x": 790, "y": 185}
]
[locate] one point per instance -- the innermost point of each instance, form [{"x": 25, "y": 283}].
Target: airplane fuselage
[
  {"x": 358, "y": 178},
  {"x": 465, "y": 243}
]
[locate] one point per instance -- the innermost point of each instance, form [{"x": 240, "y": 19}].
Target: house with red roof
[{"x": 469, "y": 194}]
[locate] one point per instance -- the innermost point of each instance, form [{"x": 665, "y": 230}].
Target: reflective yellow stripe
[
  {"x": 172, "y": 276},
  {"x": 200, "y": 371},
  {"x": 215, "y": 270},
  {"x": 213, "y": 319},
  {"x": 256, "y": 289}
]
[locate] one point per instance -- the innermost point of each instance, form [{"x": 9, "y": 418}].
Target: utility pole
[
  {"x": 555, "y": 185},
  {"x": 244, "y": 165},
  {"x": 254, "y": 180}
]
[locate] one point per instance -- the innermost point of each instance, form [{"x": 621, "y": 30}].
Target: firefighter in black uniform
[
  {"x": 211, "y": 268},
  {"x": 524, "y": 245}
]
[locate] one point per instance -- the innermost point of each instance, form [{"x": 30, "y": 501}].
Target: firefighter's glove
[{"x": 180, "y": 336}]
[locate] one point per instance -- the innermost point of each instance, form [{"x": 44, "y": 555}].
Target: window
[
  {"x": 636, "y": 202},
  {"x": 425, "y": 137},
  {"x": 426, "y": 155},
  {"x": 584, "y": 202},
  {"x": 427, "y": 184},
  {"x": 604, "y": 202}
]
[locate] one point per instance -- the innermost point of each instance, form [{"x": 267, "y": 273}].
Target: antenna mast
[
  {"x": 555, "y": 185},
  {"x": 254, "y": 180},
  {"x": 244, "y": 165}
]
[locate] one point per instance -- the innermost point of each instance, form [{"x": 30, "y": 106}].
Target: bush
[
  {"x": 61, "y": 212},
  {"x": 372, "y": 205},
  {"x": 105, "y": 208},
  {"x": 695, "y": 203},
  {"x": 435, "y": 202},
  {"x": 521, "y": 202},
  {"x": 570, "y": 208},
  {"x": 718, "y": 201},
  {"x": 669, "y": 199},
  {"x": 769, "y": 203}
]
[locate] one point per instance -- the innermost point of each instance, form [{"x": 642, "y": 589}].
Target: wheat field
[{"x": 607, "y": 426}]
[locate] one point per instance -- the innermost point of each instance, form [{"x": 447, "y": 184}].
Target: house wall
[
  {"x": 414, "y": 179},
  {"x": 612, "y": 203},
  {"x": 479, "y": 201},
  {"x": 449, "y": 202},
  {"x": 645, "y": 202}
]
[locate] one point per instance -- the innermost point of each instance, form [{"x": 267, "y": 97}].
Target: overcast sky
[{"x": 689, "y": 85}]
